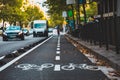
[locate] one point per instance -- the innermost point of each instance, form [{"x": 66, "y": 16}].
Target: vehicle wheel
[
  {"x": 39, "y": 35},
  {"x": 5, "y": 39},
  {"x": 34, "y": 35},
  {"x": 46, "y": 34},
  {"x": 23, "y": 38}
]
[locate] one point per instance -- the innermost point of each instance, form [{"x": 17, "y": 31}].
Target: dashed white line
[
  {"x": 57, "y": 67},
  {"x": 57, "y": 58},
  {"x": 58, "y": 45},
  {"x": 58, "y": 49},
  {"x": 57, "y": 52}
]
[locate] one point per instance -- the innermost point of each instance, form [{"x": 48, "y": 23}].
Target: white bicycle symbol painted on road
[
  {"x": 69, "y": 67},
  {"x": 72, "y": 66},
  {"x": 33, "y": 66}
]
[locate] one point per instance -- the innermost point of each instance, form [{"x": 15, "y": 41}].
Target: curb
[{"x": 78, "y": 44}]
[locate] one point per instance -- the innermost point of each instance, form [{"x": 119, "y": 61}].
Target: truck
[{"x": 40, "y": 28}]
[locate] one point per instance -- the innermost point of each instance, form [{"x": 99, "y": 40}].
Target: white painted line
[
  {"x": 58, "y": 39},
  {"x": 19, "y": 57},
  {"x": 58, "y": 49},
  {"x": 57, "y": 52},
  {"x": 57, "y": 58},
  {"x": 58, "y": 43},
  {"x": 57, "y": 67},
  {"x": 58, "y": 46},
  {"x": 2, "y": 57},
  {"x": 15, "y": 51}
]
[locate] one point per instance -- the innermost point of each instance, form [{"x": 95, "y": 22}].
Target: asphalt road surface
[
  {"x": 9, "y": 46},
  {"x": 55, "y": 59}
]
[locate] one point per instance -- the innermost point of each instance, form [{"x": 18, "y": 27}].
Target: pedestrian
[{"x": 58, "y": 30}]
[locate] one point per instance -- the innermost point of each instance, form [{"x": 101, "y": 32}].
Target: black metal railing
[{"x": 102, "y": 33}]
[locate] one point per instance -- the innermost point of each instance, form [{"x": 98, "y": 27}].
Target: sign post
[
  {"x": 71, "y": 13},
  {"x": 64, "y": 14}
]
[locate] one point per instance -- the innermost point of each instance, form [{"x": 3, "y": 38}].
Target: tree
[
  {"x": 56, "y": 19},
  {"x": 57, "y": 6},
  {"x": 34, "y": 13},
  {"x": 10, "y": 10}
]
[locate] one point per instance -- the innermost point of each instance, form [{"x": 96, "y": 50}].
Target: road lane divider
[
  {"x": 58, "y": 46},
  {"x": 58, "y": 49},
  {"x": 57, "y": 52},
  {"x": 57, "y": 67},
  {"x": 22, "y": 55},
  {"x": 57, "y": 58}
]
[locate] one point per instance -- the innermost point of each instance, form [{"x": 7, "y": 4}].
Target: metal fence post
[{"x": 115, "y": 27}]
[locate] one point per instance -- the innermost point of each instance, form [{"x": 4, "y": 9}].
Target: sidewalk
[{"x": 109, "y": 56}]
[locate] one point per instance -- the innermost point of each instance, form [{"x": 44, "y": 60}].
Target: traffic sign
[
  {"x": 70, "y": 2},
  {"x": 70, "y": 13},
  {"x": 64, "y": 14}
]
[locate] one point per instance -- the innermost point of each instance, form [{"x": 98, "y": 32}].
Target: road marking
[
  {"x": 57, "y": 52},
  {"x": 57, "y": 67},
  {"x": 58, "y": 46},
  {"x": 58, "y": 49},
  {"x": 57, "y": 58},
  {"x": 2, "y": 57},
  {"x": 27, "y": 66},
  {"x": 19, "y": 57},
  {"x": 14, "y": 51}
]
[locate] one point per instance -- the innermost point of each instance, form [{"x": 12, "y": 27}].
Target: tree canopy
[
  {"x": 57, "y": 6},
  {"x": 15, "y": 10}
]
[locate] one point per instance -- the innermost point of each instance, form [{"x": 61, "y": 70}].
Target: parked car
[
  {"x": 12, "y": 32},
  {"x": 25, "y": 31}
]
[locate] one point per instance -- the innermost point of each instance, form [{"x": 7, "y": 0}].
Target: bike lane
[
  {"x": 56, "y": 59},
  {"x": 78, "y": 66}
]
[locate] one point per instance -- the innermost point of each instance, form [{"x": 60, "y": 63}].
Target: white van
[{"x": 40, "y": 28}]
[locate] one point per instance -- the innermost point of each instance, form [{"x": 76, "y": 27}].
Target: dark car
[{"x": 12, "y": 32}]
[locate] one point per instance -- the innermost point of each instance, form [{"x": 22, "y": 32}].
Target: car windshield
[
  {"x": 41, "y": 25},
  {"x": 13, "y": 28}
]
